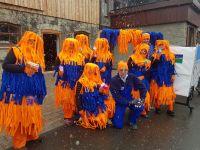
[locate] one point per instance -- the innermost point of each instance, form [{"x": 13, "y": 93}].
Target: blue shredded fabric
[
  {"x": 141, "y": 71},
  {"x": 92, "y": 102},
  {"x": 111, "y": 35},
  {"x": 163, "y": 72},
  {"x": 108, "y": 73},
  {"x": 19, "y": 85},
  {"x": 71, "y": 74},
  {"x": 155, "y": 36}
]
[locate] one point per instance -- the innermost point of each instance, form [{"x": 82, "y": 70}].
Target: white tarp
[{"x": 187, "y": 68}]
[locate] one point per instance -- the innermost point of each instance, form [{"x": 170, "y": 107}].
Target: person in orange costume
[
  {"x": 23, "y": 90},
  {"x": 93, "y": 101},
  {"x": 69, "y": 66},
  {"x": 139, "y": 65},
  {"x": 162, "y": 77},
  {"x": 146, "y": 40},
  {"x": 103, "y": 58},
  {"x": 84, "y": 46}
]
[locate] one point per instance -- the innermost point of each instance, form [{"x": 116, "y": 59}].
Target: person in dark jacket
[{"x": 121, "y": 86}]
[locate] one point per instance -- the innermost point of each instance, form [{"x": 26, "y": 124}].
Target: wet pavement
[{"x": 158, "y": 132}]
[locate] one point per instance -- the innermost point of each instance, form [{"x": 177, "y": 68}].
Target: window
[
  {"x": 191, "y": 36},
  {"x": 9, "y": 33},
  {"x": 198, "y": 37}
]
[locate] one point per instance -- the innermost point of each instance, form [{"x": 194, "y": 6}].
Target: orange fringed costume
[
  {"x": 22, "y": 91},
  {"x": 72, "y": 62},
  {"x": 162, "y": 71},
  {"x": 127, "y": 36},
  {"x": 84, "y": 47},
  {"x": 103, "y": 58},
  {"x": 139, "y": 65},
  {"x": 96, "y": 106}
]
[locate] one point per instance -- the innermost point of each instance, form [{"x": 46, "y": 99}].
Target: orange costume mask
[
  {"x": 84, "y": 45},
  {"x": 102, "y": 50},
  {"x": 70, "y": 52},
  {"x": 91, "y": 76},
  {"x": 145, "y": 36},
  {"x": 140, "y": 56},
  {"x": 164, "y": 44},
  {"x": 31, "y": 49}
]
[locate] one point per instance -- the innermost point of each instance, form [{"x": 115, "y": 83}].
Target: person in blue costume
[
  {"x": 139, "y": 65},
  {"x": 162, "y": 77},
  {"x": 103, "y": 58},
  {"x": 23, "y": 90},
  {"x": 121, "y": 87},
  {"x": 92, "y": 96},
  {"x": 69, "y": 66}
]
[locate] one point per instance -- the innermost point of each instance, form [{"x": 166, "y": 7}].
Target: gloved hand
[{"x": 138, "y": 103}]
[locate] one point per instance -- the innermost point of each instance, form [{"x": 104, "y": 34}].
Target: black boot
[
  {"x": 171, "y": 113},
  {"x": 158, "y": 111}
]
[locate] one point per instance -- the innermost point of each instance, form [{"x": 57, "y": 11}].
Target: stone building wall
[
  {"x": 39, "y": 23},
  {"x": 176, "y": 33}
]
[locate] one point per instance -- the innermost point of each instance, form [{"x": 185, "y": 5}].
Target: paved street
[{"x": 159, "y": 132}]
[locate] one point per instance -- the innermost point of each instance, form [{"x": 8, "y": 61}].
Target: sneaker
[
  {"x": 68, "y": 122},
  {"x": 171, "y": 113},
  {"x": 133, "y": 126},
  {"x": 158, "y": 111}
]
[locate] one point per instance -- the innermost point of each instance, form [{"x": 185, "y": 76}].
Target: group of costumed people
[{"x": 84, "y": 88}]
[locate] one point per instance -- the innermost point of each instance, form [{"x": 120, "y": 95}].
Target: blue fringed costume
[
  {"x": 92, "y": 99},
  {"x": 162, "y": 76},
  {"x": 23, "y": 90},
  {"x": 103, "y": 58},
  {"x": 70, "y": 64}
]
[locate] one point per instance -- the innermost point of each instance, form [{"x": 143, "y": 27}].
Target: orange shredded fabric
[
  {"x": 84, "y": 45},
  {"x": 28, "y": 117},
  {"x": 166, "y": 51},
  {"x": 110, "y": 104},
  {"x": 136, "y": 36},
  {"x": 127, "y": 36},
  {"x": 162, "y": 95},
  {"x": 124, "y": 38},
  {"x": 102, "y": 50},
  {"x": 91, "y": 121},
  {"x": 139, "y": 59},
  {"x": 68, "y": 54},
  {"x": 91, "y": 77},
  {"x": 145, "y": 36},
  {"x": 26, "y": 53}
]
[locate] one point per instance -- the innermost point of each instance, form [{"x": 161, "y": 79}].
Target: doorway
[{"x": 51, "y": 47}]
